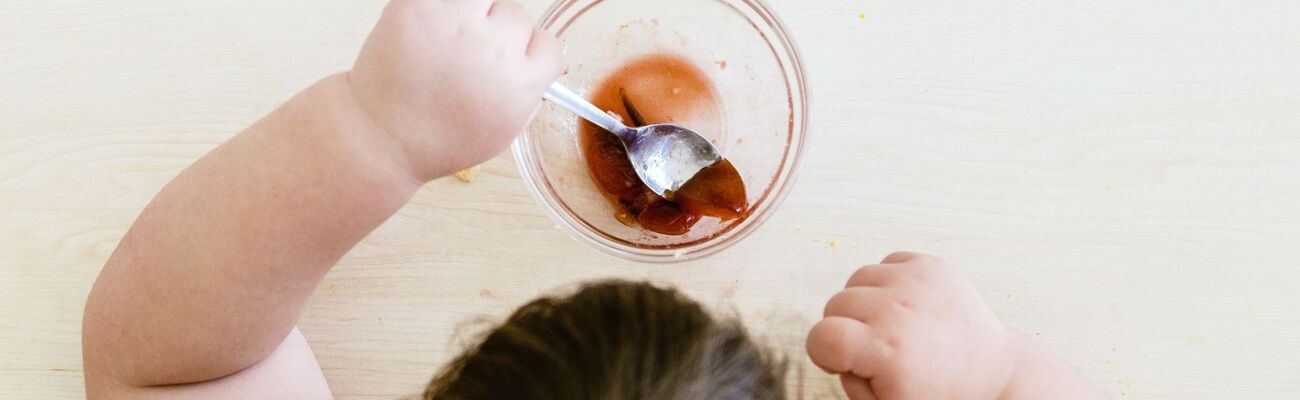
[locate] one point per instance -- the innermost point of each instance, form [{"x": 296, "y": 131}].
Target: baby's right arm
[
  {"x": 913, "y": 328},
  {"x": 201, "y": 296}
]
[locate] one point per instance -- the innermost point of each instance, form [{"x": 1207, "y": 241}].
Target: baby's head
[{"x": 613, "y": 340}]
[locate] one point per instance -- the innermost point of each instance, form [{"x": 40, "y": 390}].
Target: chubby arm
[
  {"x": 214, "y": 273},
  {"x": 201, "y": 296}
]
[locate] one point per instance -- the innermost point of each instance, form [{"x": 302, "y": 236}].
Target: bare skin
[
  {"x": 913, "y": 328},
  {"x": 201, "y": 297}
]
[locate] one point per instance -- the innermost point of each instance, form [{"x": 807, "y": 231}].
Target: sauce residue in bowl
[{"x": 651, "y": 90}]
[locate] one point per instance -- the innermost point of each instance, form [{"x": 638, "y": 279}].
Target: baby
[{"x": 200, "y": 299}]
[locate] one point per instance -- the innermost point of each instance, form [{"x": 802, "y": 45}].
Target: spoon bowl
[{"x": 665, "y": 156}]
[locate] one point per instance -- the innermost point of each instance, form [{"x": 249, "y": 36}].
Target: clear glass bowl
[{"x": 762, "y": 126}]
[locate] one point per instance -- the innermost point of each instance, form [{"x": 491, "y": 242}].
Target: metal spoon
[{"x": 665, "y": 156}]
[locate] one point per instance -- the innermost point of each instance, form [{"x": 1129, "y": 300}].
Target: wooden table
[{"x": 1119, "y": 178}]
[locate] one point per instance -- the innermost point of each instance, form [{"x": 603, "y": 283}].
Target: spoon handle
[{"x": 564, "y": 97}]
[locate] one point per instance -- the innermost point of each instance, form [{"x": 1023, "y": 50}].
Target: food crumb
[
  {"x": 722, "y": 64},
  {"x": 834, "y": 244},
  {"x": 467, "y": 175},
  {"x": 862, "y": 16},
  {"x": 566, "y": 71}
]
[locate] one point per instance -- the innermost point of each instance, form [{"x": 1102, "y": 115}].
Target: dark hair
[{"x": 613, "y": 340}]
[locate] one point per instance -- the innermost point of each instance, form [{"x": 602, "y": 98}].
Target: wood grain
[{"x": 1120, "y": 178}]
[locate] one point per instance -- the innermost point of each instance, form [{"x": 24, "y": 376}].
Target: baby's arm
[
  {"x": 1043, "y": 375},
  {"x": 913, "y": 328},
  {"x": 213, "y": 275}
]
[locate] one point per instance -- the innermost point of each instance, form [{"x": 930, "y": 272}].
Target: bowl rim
[{"x": 713, "y": 244}]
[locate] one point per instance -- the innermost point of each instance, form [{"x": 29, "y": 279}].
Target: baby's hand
[
  {"x": 453, "y": 81},
  {"x": 913, "y": 328}
]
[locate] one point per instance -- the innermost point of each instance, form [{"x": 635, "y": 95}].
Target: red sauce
[{"x": 651, "y": 90}]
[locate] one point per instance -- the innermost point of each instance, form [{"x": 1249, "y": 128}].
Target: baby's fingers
[
  {"x": 864, "y": 304},
  {"x": 872, "y": 275},
  {"x": 857, "y": 388},
  {"x": 903, "y": 257},
  {"x": 846, "y": 346}
]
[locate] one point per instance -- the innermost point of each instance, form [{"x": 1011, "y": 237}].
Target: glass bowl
[{"x": 745, "y": 52}]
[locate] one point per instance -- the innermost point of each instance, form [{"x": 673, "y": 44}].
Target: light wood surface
[{"x": 1120, "y": 178}]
